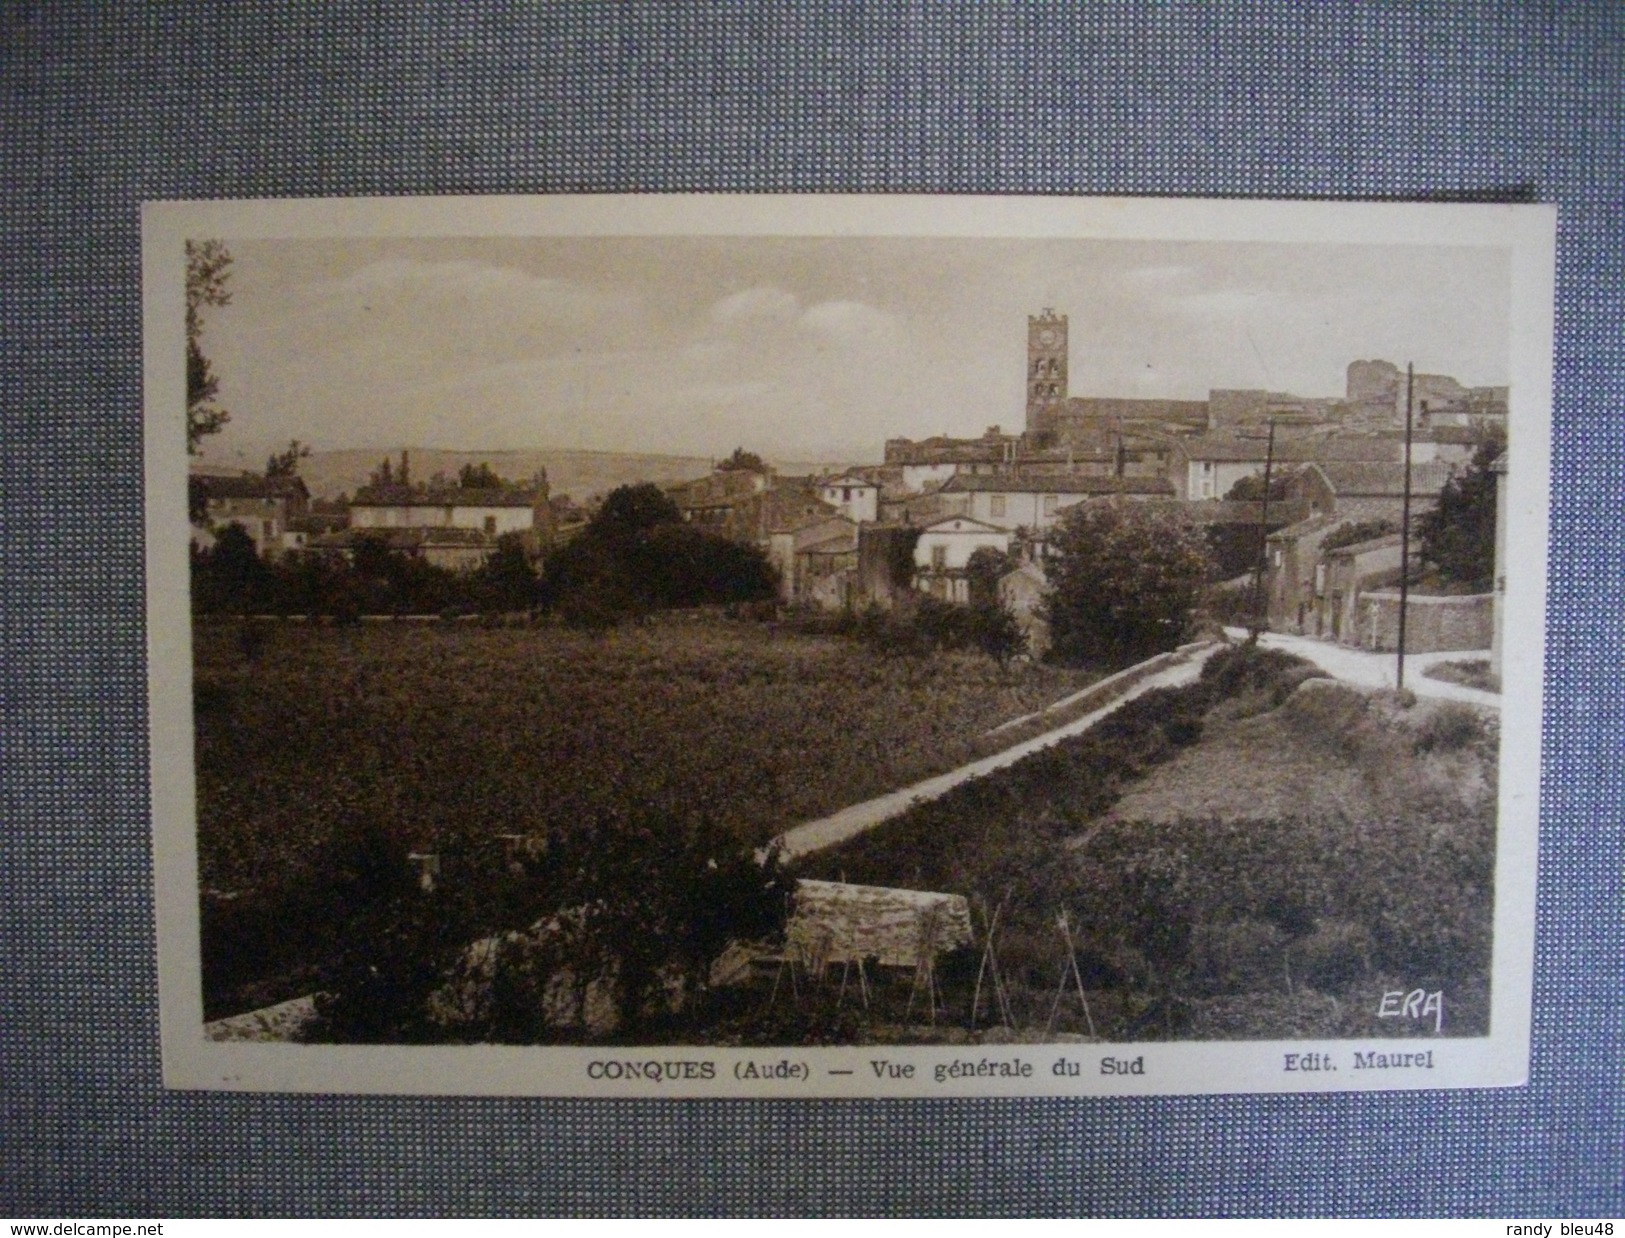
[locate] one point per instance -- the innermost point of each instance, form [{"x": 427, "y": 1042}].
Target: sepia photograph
[{"x": 845, "y": 646}]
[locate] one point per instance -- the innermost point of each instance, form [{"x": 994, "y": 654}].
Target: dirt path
[
  {"x": 1377, "y": 670},
  {"x": 813, "y": 836}
]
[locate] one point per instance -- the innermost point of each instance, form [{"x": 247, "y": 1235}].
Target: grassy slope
[{"x": 1272, "y": 879}]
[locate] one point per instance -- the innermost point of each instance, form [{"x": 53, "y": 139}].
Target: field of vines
[{"x": 446, "y": 735}]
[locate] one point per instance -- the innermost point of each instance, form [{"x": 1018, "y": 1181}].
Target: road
[
  {"x": 1377, "y": 670},
  {"x": 856, "y": 818}
]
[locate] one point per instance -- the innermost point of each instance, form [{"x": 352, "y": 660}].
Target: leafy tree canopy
[
  {"x": 1124, "y": 582},
  {"x": 1250, "y": 489},
  {"x": 982, "y": 572},
  {"x": 637, "y": 555},
  {"x": 632, "y": 510},
  {"x": 1458, "y": 536},
  {"x": 479, "y": 477},
  {"x": 742, "y": 459},
  {"x": 286, "y": 463},
  {"x": 1358, "y": 531},
  {"x": 208, "y": 270}
]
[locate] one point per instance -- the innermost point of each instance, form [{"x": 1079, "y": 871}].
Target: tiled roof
[
  {"x": 1302, "y": 528},
  {"x": 723, "y": 488},
  {"x": 1382, "y": 478},
  {"x": 976, "y": 526},
  {"x": 841, "y": 543},
  {"x": 407, "y": 539},
  {"x": 1232, "y": 448},
  {"x": 404, "y": 496},
  {"x": 786, "y": 508},
  {"x": 962, "y": 483},
  {"x": 1375, "y": 543},
  {"x": 846, "y": 479}
]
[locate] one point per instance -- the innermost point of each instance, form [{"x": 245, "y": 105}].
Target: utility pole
[
  {"x": 1405, "y": 532},
  {"x": 1260, "y": 610}
]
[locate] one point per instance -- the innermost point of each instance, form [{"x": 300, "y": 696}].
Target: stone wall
[{"x": 1434, "y": 624}]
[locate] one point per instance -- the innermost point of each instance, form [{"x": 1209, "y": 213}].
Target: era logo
[{"x": 1417, "y": 1004}]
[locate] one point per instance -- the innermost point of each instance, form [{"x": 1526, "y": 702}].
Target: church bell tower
[{"x": 1046, "y": 364}]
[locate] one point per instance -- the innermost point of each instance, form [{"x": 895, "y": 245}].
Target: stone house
[
  {"x": 1367, "y": 489},
  {"x": 856, "y": 498},
  {"x": 488, "y": 511},
  {"x": 1343, "y": 575},
  {"x": 1206, "y": 466},
  {"x": 724, "y": 501},
  {"x": 262, "y": 507},
  {"x": 1036, "y": 502},
  {"x": 1294, "y": 568},
  {"x": 1024, "y": 590},
  {"x": 816, "y": 558},
  {"x": 944, "y": 550}
]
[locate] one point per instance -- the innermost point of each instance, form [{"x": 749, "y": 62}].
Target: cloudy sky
[{"x": 798, "y": 348}]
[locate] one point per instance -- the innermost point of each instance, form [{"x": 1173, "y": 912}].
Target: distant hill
[{"x": 579, "y": 474}]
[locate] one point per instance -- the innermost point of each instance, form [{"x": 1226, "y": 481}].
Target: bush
[
  {"x": 1125, "y": 582},
  {"x": 642, "y": 909},
  {"x": 1470, "y": 673},
  {"x": 1449, "y": 727}
]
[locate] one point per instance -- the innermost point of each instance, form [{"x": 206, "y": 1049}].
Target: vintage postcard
[{"x": 845, "y": 646}]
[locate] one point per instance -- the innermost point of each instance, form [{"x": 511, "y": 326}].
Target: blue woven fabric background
[{"x": 103, "y": 106}]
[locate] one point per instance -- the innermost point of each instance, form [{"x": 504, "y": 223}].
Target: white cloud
[
  {"x": 755, "y": 305},
  {"x": 850, "y": 321}
]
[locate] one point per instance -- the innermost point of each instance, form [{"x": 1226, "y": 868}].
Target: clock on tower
[{"x": 1046, "y": 362}]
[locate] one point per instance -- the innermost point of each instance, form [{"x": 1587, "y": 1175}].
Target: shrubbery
[
  {"x": 928, "y": 625},
  {"x": 1174, "y": 919},
  {"x": 637, "y": 556},
  {"x": 509, "y": 944},
  {"x": 232, "y": 579},
  {"x": 1125, "y": 582}
]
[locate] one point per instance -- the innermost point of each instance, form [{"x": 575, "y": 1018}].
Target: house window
[
  {"x": 1050, "y": 503},
  {"x": 491, "y": 524},
  {"x": 939, "y": 558},
  {"x": 996, "y": 504}
]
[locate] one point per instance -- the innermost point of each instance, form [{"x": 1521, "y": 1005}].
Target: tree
[
  {"x": 1458, "y": 536},
  {"x": 1358, "y": 531},
  {"x": 982, "y": 573},
  {"x": 999, "y": 633},
  {"x": 286, "y": 463},
  {"x": 1250, "y": 489},
  {"x": 637, "y": 555},
  {"x": 742, "y": 459},
  {"x": 631, "y": 511},
  {"x": 208, "y": 269},
  {"x": 506, "y": 581},
  {"x": 479, "y": 477},
  {"x": 1124, "y": 582},
  {"x": 230, "y": 577}
]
